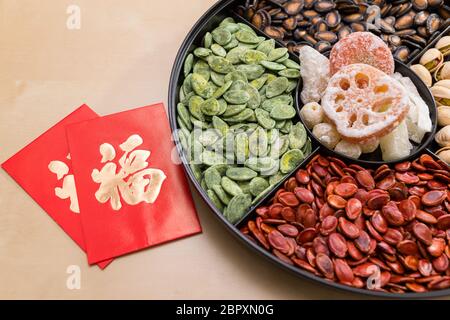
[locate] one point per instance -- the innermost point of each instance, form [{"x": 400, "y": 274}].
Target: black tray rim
[{"x": 172, "y": 98}]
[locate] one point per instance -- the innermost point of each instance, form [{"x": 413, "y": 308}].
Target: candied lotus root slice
[
  {"x": 362, "y": 47},
  {"x": 364, "y": 103}
]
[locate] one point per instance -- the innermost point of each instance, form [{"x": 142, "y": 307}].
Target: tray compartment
[
  {"x": 207, "y": 23},
  {"x": 253, "y": 215}
]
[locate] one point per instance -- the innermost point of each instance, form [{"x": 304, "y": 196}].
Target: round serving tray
[{"x": 208, "y": 21}]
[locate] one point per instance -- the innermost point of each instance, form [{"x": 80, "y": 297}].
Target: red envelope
[
  {"x": 131, "y": 193},
  {"x": 43, "y": 170}
]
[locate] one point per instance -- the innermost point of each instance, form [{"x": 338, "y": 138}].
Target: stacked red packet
[{"x": 109, "y": 182}]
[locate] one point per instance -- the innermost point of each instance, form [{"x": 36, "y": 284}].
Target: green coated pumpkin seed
[
  {"x": 221, "y": 36},
  {"x": 182, "y": 124},
  {"x": 244, "y": 127},
  {"x": 200, "y": 124},
  {"x": 202, "y": 52},
  {"x": 307, "y": 148},
  {"x": 196, "y": 170},
  {"x": 212, "y": 177},
  {"x": 236, "y": 96},
  {"x": 186, "y": 99},
  {"x": 280, "y": 124},
  {"x": 273, "y": 180},
  {"x": 241, "y": 147},
  {"x": 232, "y": 27},
  {"x": 262, "y": 165},
  {"x": 282, "y": 112},
  {"x": 181, "y": 95},
  {"x": 183, "y": 112},
  {"x": 220, "y": 65},
  {"x": 244, "y": 185},
  {"x": 279, "y": 147},
  {"x": 252, "y": 118},
  {"x": 264, "y": 119},
  {"x": 226, "y": 21},
  {"x": 291, "y": 64},
  {"x": 221, "y": 194},
  {"x": 277, "y": 87},
  {"x": 236, "y": 76},
  {"x": 261, "y": 195},
  {"x": 232, "y": 44},
  {"x": 222, "y": 106},
  {"x": 248, "y": 45},
  {"x": 290, "y": 160},
  {"x": 277, "y": 53},
  {"x": 217, "y": 78},
  {"x": 259, "y": 83},
  {"x": 219, "y": 92},
  {"x": 221, "y": 168},
  {"x": 233, "y": 109},
  {"x": 218, "y": 50},
  {"x": 234, "y": 55},
  {"x": 252, "y": 71},
  {"x": 187, "y": 84},
  {"x": 253, "y": 56},
  {"x": 210, "y": 107},
  {"x": 215, "y": 199},
  {"x": 266, "y": 46},
  {"x": 207, "y": 40},
  {"x": 283, "y": 58},
  {"x": 272, "y": 65},
  {"x": 209, "y": 137},
  {"x": 203, "y": 184},
  {"x": 292, "y": 85},
  {"x": 287, "y": 127},
  {"x": 230, "y": 186},
  {"x": 202, "y": 68},
  {"x": 290, "y": 73},
  {"x": 195, "y": 107},
  {"x": 241, "y": 174},
  {"x": 245, "y": 36},
  {"x": 239, "y": 85},
  {"x": 258, "y": 142},
  {"x": 255, "y": 99},
  {"x": 188, "y": 64},
  {"x": 271, "y": 77},
  {"x": 211, "y": 158},
  {"x": 272, "y": 135},
  {"x": 201, "y": 86},
  {"x": 258, "y": 185},
  {"x": 297, "y": 136},
  {"x": 238, "y": 206},
  {"x": 220, "y": 125},
  {"x": 244, "y": 26}
]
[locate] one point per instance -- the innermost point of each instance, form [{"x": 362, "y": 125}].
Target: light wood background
[{"x": 120, "y": 58}]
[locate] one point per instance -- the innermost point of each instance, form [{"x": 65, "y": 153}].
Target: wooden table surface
[{"x": 120, "y": 58}]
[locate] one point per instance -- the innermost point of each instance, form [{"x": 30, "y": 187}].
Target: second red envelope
[{"x": 131, "y": 193}]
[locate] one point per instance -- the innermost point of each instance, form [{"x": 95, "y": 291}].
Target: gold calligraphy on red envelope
[{"x": 131, "y": 193}]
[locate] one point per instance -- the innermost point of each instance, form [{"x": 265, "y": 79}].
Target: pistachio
[
  {"x": 443, "y": 72},
  {"x": 443, "y": 45},
  {"x": 444, "y": 154},
  {"x": 432, "y": 59},
  {"x": 423, "y": 74},
  {"x": 443, "y": 115},
  {"x": 441, "y": 95},
  {"x": 443, "y": 83},
  {"x": 442, "y": 137}
]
